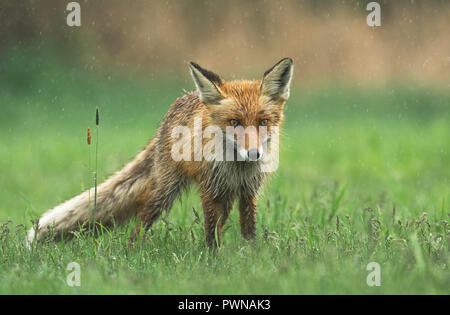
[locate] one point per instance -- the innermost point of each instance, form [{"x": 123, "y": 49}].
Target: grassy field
[{"x": 364, "y": 177}]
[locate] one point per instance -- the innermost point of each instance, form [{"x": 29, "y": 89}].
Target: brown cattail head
[
  {"x": 89, "y": 137},
  {"x": 96, "y": 116}
]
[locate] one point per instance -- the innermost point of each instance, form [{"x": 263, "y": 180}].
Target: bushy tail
[{"x": 117, "y": 201}]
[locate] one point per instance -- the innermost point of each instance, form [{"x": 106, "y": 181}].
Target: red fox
[{"x": 149, "y": 184}]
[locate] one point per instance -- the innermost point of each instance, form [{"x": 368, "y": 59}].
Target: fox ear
[
  {"x": 277, "y": 80},
  {"x": 206, "y": 83}
]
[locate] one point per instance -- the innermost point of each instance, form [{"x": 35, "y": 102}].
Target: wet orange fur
[{"x": 149, "y": 184}]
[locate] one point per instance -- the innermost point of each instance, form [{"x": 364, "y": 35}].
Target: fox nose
[{"x": 254, "y": 154}]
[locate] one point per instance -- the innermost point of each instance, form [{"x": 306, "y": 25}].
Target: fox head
[{"x": 252, "y": 109}]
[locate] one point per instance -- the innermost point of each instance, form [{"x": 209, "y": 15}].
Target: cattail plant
[
  {"x": 89, "y": 137},
  {"x": 97, "y": 120}
]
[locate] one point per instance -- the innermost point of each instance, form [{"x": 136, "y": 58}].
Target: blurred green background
[
  {"x": 367, "y": 124},
  {"x": 368, "y": 104}
]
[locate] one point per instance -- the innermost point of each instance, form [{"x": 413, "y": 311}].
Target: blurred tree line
[{"x": 326, "y": 38}]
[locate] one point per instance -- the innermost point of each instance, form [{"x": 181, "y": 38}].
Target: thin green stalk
[
  {"x": 89, "y": 175},
  {"x": 96, "y": 164}
]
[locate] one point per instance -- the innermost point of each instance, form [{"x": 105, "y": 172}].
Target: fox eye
[
  {"x": 264, "y": 122},
  {"x": 233, "y": 122}
]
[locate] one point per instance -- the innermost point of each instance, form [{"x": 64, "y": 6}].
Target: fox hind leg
[{"x": 156, "y": 202}]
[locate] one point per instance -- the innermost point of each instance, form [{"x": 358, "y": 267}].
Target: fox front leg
[
  {"x": 247, "y": 217},
  {"x": 216, "y": 212}
]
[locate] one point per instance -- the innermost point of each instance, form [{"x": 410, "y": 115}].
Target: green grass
[{"x": 364, "y": 176}]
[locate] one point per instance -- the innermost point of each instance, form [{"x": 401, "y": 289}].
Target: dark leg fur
[
  {"x": 158, "y": 200},
  {"x": 216, "y": 212},
  {"x": 247, "y": 212}
]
